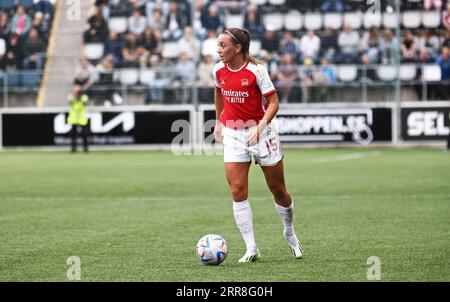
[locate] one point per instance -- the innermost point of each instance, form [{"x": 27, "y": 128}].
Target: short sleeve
[
  {"x": 264, "y": 82},
  {"x": 214, "y": 75}
]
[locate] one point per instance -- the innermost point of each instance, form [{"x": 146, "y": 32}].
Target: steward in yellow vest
[{"x": 78, "y": 117}]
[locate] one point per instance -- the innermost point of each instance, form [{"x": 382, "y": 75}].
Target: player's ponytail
[{"x": 242, "y": 37}]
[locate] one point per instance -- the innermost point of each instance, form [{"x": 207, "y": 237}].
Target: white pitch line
[{"x": 343, "y": 157}]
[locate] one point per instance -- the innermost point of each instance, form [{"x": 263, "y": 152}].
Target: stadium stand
[
  {"x": 144, "y": 40},
  {"x": 24, "y": 33}
]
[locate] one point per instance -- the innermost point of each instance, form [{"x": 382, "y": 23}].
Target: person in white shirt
[
  {"x": 137, "y": 23},
  {"x": 310, "y": 46}
]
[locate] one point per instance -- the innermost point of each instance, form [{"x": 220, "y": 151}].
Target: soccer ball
[{"x": 212, "y": 249}]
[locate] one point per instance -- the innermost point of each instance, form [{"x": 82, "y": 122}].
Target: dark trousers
[{"x": 76, "y": 131}]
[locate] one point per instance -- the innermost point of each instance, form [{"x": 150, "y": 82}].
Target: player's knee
[
  {"x": 279, "y": 191},
  {"x": 239, "y": 192}
]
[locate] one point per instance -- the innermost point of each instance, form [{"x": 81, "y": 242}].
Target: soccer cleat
[
  {"x": 297, "y": 251},
  {"x": 251, "y": 256}
]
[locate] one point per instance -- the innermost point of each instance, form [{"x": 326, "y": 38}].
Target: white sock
[
  {"x": 287, "y": 218},
  {"x": 244, "y": 220}
]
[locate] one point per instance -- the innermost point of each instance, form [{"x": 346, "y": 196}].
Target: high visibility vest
[{"x": 78, "y": 110}]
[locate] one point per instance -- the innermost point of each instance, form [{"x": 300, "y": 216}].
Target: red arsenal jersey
[{"x": 243, "y": 91}]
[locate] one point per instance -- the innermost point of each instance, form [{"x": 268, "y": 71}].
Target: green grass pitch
[{"x": 137, "y": 216}]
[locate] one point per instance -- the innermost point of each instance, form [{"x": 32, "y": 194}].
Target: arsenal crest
[{"x": 244, "y": 82}]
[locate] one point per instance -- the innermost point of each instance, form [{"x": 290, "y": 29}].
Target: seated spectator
[
  {"x": 197, "y": 20},
  {"x": 136, "y": 22},
  {"x": 34, "y": 51},
  {"x": 211, "y": 19},
  {"x": 21, "y": 22},
  {"x": 106, "y": 83},
  {"x": 328, "y": 44},
  {"x": 446, "y": 40},
  {"x": 46, "y": 7},
  {"x": 152, "y": 43},
  {"x": 429, "y": 43},
  {"x": 175, "y": 22},
  {"x": 209, "y": 46},
  {"x": 348, "y": 41},
  {"x": 132, "y": 52},
  {"x": 432, "y": 4},
  {"x": 43, "y": 25},
  {"x": 332, "y": 6},
  {"x": 253, "y": 22},
  {"x": 85, "y": 74},
  {"x": 288, "y": 46},
  {"x": 270, "y": 42},
  {"x": 309, "y": 46},
  {"x": 14, "y": 53},
  {"x": 408, "y": 48},
  {"x": 204, "y": 72},
  {"x": 185, "y": 76},
  {"x": 113, "y": 48},
  {"x": 446, "y": 19},
  {"x": 161, "y": 5},
  {"x": 156, "y": 20},
  {"x": 286, "y": 77},
  {"x": 2, "y": 53},
  {"x": 370, "y": 46},
  {"x": 185, "y": 9},
  {"x": 98, "y": 28},
  {"x": 189, "y": 44},
  {"x": 388, "y": 48},
  {"x": 120, "y": 8},
  {"x": 324, "y": 79},
  {"x": 5, "y": 29}
]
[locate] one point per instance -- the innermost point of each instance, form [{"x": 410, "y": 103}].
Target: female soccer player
[{"x": 246, "y": 102}]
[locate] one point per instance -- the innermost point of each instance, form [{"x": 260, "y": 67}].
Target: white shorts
[{"x": 267, "y": 151}]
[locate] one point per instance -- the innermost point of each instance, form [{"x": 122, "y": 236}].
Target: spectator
[
  {"x": 185, "y": 75},
  {"x": 209, "y": 46},
  {"x": 161, "y": 5},
  {"x": 348, "y": 41},
  {"x": 211, "y": 19},
  {"x": 14, "y": 53},
  {"x": 204, "y": 71},
  {"x": 34, "y": 51},
  {"x": 132, "y": 52},
  {"x": 408, "y": 48},
  {"x": 98, "y": 28},
  {"x": 113, "y": 48},
  {"x": 120, "y": 8},
  {"x": 5, "y": 29},
  {"x": 189, "y": 44},
  {"x": 328, "y": 44},
  {"x": 21, "y": 22},
  {"x": 332, "y": 6},
  {"x": 43, "y": 25},
  {"x": 46, "y": 7},
  {"x": 270, "y": 42},
  {"x": 286, "y": 76},
  {"x": 197, "y": 20},
  {"x": 136, "y": 23},
  {"x": 429, "y": 43},
  {"x": 153, "y": 46},
  {"x": 175, "y": 22},
  {"x": 446, "y": 40},
  {"x": 2, "y": 53},
  {"x": 106, "y": 83},
  {"x": 443, "y": 60},
  {"x": 446, "y": 19},
  {"x": 184, "y": 8},
  {"x": 253, "y": 22},
  {"x": 430, "y": 4},
  {"x": 309, "y": 46},
  {"x": 287, "y": 46},
  {"x": 389, "y": 48},
  {"x": 85, "y": 74},
  {"x": 370, "y": 46},
  {"x": 325, "y": 78},
  {"x": 156, "y": 21}
]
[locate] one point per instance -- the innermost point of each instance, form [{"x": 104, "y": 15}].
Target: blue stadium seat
[
  {"x": 31, "y": 78},
  {"x": 13, "y": 79},
  {"x": 7, "y": 4},
  {"x": 26, "y": 3}
]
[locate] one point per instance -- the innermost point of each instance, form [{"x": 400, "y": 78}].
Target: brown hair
[{"x": 242, "y": 37}]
